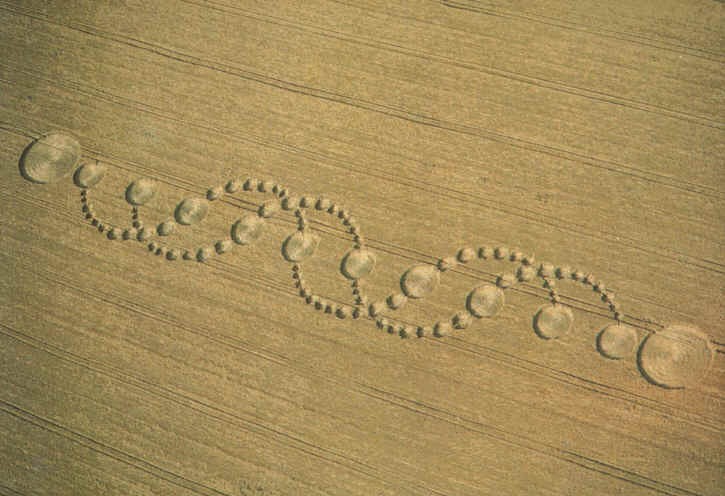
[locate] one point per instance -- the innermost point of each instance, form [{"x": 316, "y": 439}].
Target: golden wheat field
[{"x": 322, "y": 247}]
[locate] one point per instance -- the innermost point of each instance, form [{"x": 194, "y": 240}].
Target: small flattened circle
[
  {"x": 247, "y": 229},
  {"x": 357, "y": 263},
  {"x": 617, "y": 341},
  {"x": 204, "y": 254},
  {"x": 166, "y": 228},
  {"x": 506, "y": 280},
  {"x": 441, "y": 329},
  {"x": 420, "y": 280},
  {"x": 466, "y": 255},
  {"x": 141, "y": 191},
  {"x": 676, "y": 357},
  {"x": 50, "y": 158},
  {"x": 396, "y": 301},
  {"x": 461, "y": 320},
  {"x": 89, "y": 174},
  {"x": 526, "y": 273},
  {"x": 144, "y": 234},
  {"x": 268, "y": 208},
  {"x": 552, "y": 321},
  {"x": 485, "y": 301},
  {"x": 299, "y": 246},
  {"x": 215, "y": 193},
  {"x": 114, "y": 233},
  {"x": 223, "y": 246},
  {"x": 191, "y": 210}
]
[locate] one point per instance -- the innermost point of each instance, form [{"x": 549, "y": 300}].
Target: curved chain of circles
[{"x": 674, "y": 357}]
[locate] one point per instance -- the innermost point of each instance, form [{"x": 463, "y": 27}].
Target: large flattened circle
[
  {"x": 676, "y": 357},
  {"x": 357, "y": 263},
  {"x": 89, "y": 174},
  {"x": 553, "y": 321},
  {"x": 191, "y": 211},
  {"x": 299, "y": 246},
  {"x": 247, "y": 229},
  {"x": 420, "y": 280},
  {"x": 141, "y": 191},
  {"x": 617, "y": 341},
  {"x": 50, "y": 158},
  {"x": 485, "y": 301}
]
